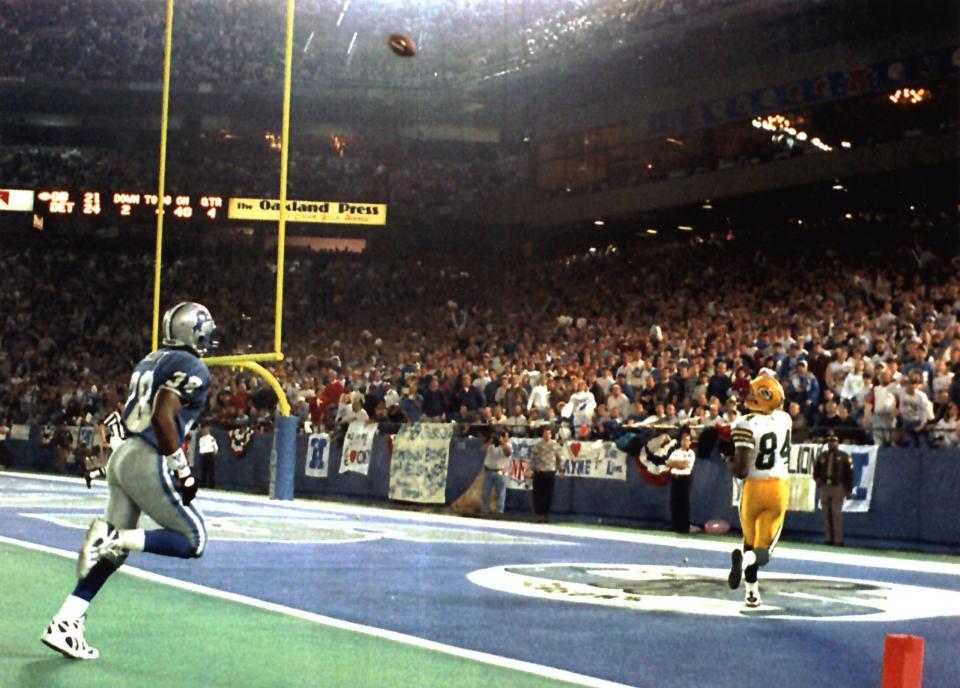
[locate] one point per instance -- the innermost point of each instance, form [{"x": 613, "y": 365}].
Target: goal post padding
[{"x": 283, "y": 457}]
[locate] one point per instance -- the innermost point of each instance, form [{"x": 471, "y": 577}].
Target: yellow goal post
[{"x": 286, "y": 429}]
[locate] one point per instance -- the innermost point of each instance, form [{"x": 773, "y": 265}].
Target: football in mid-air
[{"x": 402, "y": 45}]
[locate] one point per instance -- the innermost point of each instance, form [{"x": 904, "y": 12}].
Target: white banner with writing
[
  {"x": 357, "y": 447},
  {"x": 317, "y": 464},
  {"x": 418, "y": 466},
  {"x": 803, "y": 490},
  {"x": 596, "y": 459}
]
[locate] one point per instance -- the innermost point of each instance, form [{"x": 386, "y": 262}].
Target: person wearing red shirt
[{"x": 331, "y": 393}]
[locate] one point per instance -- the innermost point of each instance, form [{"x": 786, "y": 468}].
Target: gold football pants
[{"x": 762, "y": 508}]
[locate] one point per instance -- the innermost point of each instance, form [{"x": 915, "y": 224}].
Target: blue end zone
[{"x": 285, "y": 446}]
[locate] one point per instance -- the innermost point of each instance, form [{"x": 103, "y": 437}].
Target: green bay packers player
[{"x": 761, "y": 451}]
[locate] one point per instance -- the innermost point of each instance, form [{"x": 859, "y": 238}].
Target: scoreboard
[
  {"x": 123, "y": 204},
  {"x": 115, "y": 207}
]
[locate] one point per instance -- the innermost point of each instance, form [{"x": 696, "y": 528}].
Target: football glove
[{"x": 187, "y": 487}]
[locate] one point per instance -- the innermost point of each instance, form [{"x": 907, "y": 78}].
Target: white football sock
[
  {"x": 132, "y": 539},
  {"x": 73, "y": 607},
  {"x": 749, "y": 558}
]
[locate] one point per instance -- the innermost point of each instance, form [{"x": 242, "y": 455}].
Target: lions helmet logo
[
  {"x": 765, "y": 396},
  {"x": 189, "y": 325}
]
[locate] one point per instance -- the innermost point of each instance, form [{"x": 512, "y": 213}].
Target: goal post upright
[
  {"x": 282, "y": 457},
  {"x": 161, "y": 192}
]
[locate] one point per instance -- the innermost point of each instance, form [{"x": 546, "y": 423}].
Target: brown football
[{"x": 402, "y": 45}]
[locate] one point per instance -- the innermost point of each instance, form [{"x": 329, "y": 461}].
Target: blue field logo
[{"x": 688, "y": 590}]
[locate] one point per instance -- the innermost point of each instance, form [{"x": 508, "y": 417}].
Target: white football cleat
[
  {"x": 102, "y": 538},
  {"x": 66, "y": 637},
  {"x": 752, "y": 597}
]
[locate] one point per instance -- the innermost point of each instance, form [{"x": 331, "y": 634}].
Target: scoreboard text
[{"x": 126, "y": 204}]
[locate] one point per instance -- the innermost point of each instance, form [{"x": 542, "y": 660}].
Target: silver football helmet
[{"x": 189, "y": 324}]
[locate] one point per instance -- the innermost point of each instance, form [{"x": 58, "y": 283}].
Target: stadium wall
[{"x": 914, "y": 491}]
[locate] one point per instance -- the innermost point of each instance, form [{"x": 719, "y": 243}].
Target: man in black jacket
[{"x": 833, "y": 472}]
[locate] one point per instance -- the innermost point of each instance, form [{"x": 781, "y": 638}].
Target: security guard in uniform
[{"x": 833, "y": 472}]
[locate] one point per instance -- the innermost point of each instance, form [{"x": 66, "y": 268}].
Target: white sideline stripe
[
  {"x": 482, "y": 657},
  {"x": 793, "y": 552}
]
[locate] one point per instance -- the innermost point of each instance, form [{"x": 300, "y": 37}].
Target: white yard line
[
  {"x": 794, "y": 552},
  {"x": 482, "y": 657}
]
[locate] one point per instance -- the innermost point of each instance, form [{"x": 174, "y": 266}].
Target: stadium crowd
[
  {"x": 240, "y": 43},
  {"x": 865, "y": 343}
]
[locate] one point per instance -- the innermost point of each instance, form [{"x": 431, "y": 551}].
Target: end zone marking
[{"x": 475, "y": 655}]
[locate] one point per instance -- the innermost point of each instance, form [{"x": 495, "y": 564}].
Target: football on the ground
[{"x": 402, "y": 45}]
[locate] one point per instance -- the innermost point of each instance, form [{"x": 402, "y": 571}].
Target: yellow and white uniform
[{"x": 766, "y": 488}]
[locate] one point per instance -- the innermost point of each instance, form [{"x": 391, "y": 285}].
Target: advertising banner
[{"x": 331, "y": 212}]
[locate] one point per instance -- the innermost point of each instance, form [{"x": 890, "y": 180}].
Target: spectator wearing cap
[
  {"x": 789, "y": 364},
  {"x": 833, "y": 474},
  {"x": 920, "y": 364},
  {"x": 804, "y": 389},
  {"x": 628, "y": 389},
  {"x": 916, "y": 412}
]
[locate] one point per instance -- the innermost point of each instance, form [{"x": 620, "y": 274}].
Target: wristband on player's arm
[
  {"x": 177, "y": 462},
  {"x": 186, "y": 484}
]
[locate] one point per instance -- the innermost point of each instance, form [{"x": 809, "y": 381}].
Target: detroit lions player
[
  {"x": 148, "y": 473},
  {"x": 762, "y": 450}
]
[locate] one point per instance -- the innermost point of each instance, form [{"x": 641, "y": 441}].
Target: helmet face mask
[
  {"x": 190, "y": 325},
  {"x": 765, "y": 396}
]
